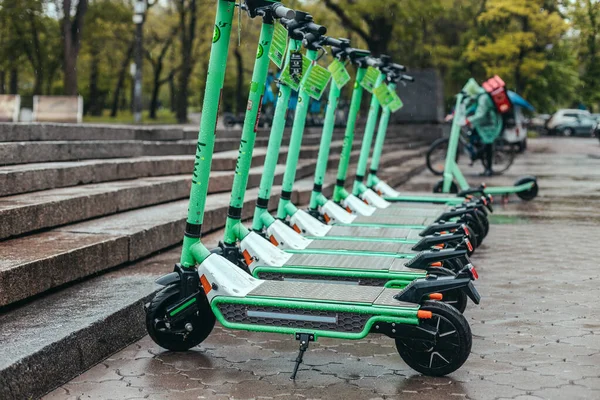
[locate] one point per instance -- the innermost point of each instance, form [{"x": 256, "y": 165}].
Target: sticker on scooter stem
[
  {"x": 216, "y": 34},
  {"x": 278, "y": 45},
  {"x": 383, "y": 95},
  {"x": 317, "y": 81},
  {"x": 396, "y": 103},
  {"x": 370, "y": 79},
  {"x": 293, "y": 81},
  {"x": 339, "y": 73}
]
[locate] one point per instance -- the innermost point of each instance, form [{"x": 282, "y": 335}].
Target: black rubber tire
[
  {"x": 438, "y": 145},
  {"x": 475, "y": 226},
  {"x": 485, "y": 222},
  {"x": 451, "y": 348},
  {"x": 568, "y": 132},
  {"x": 453, "y": 264},
  {"x": 203, "y": 323},
  {"x": 439, "y": 186},
  {"x": 528, "y": 194}
]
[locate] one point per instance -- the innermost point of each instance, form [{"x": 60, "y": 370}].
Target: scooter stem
[
  {"x": 379, "y": 141},
  {"x": 339, "y": 193},
  {"x": 365, "y": 149},
  {"x": 206, "y": 136}
]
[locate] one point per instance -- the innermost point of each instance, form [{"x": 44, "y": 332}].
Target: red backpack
[{"x": 496, "y": 88}]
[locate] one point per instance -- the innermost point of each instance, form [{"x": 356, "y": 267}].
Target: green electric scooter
[
  {"x": 431, "y": 337},
  {"x": 525, "y": 187},
  {"x": 333, "y": 261}
]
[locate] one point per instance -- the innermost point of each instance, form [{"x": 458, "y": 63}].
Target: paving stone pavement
[{"x": 536, "y": 332}]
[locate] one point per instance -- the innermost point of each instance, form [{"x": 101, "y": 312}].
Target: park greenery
[{"x": 546, "y": 50}]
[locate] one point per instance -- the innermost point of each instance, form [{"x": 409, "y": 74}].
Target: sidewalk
[{"x": 536, "y": 332}]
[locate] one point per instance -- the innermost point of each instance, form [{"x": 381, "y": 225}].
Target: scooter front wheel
[
  {"x": 531, "y": 193},
  {"x": 450, "y": 348},
  {"x": 439, "y": 187},
  {"x": 183, "y": 334}
]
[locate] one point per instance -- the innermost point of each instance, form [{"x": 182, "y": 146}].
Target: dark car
[{"x": 581, "y": 126}]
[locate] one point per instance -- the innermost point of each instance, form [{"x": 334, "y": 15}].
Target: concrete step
[
  {"x": 24, "y": 178},
  {"x": 52, "y": 151},
  {"x": 25, "y": 213}
]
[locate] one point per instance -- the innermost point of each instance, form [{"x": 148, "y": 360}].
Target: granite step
[{"x": 28, "y": 212}]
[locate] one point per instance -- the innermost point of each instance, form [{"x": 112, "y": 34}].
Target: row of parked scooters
[{"x": 369, "y": 261}]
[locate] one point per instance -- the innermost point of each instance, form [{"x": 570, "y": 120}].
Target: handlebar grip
[
  {"x": 281, "y": 11},
  {"x": 316, "y": 29},
  {"x": 398, "y": 67},
  {"x": 373, "y": 62},
  {"x": 329, "y": 41},
  {"x": 407, "y": 78},
  {"x": 310, "y": 38}
]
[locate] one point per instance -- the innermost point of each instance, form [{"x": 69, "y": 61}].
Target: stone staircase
[{"x": 91, "y": 215}]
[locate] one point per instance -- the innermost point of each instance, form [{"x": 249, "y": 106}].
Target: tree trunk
[
  {"x": 2, "y": 82},
  {"x": 239, "y": 95},
  {"x": 13, "y": 87},
  {"x": 155, "y": 89},
  {"x": 187, "y": 26},
  {"x": 120, "y": 82},
  {"x": 94, "y": 106},
  {"x": 172, "y": 90},
  {"x": 71, "y": 35}
]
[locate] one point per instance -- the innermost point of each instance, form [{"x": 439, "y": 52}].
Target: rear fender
[{"x": 418, "y": 290}]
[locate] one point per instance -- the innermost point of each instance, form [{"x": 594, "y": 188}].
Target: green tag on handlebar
[
  {"x": 339, "y": 73},
  {"x": 383, "y": 94},
  {"x": 293, "y": 75},
  {"x": 316, "y": 81},
  {"x": 278, "y": 45},
  {"x": 396, "y": 103},
  {"x": 370, "y": 79}
]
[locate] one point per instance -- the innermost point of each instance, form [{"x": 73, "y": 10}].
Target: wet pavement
[{"x": 536, "y": 332}]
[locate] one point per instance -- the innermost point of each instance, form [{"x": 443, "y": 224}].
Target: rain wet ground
[{"x": 536, "y": 333}]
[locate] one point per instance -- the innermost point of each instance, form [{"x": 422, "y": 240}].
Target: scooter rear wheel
[
  {"x": 174, "y": 336},
  {"x": 450, "y": 348},
  {"x": 530, "y": 194}
]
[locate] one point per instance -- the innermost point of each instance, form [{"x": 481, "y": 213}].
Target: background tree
[{"x": 72, "y": 29}]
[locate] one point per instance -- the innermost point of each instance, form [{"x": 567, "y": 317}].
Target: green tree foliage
[{"x": 547, "y": 50}]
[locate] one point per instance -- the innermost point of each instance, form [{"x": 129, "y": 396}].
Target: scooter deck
[
  {"x": 323, "y": 308},
  {"x": 383, "y": 219},
  {"x": 361, "y": 246},
  {"x": 350, "y": 262},
  {"x": 374, "y": 232},
  {"x": 401, "y": 209}
]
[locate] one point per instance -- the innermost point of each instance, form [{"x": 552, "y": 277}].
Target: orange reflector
[
  {"x": 296, "y": 228},
  {"x": 247, "y": 257},
  {"x": 327, "y": 219},
  {"x": 469, "y": 196},
  {"x": 379, "y": 192},
  {"x": 436, "y": 264},
  {"x": 469, "y": 245},
  {"x": 205, "y": 284},
  {"x": 422, "y": 314},
  {"x": 349, "y": 210},
  {"x": 365, "y": 201},
  {"x": 273, "y": 240},
  {"x": 443, "y": 232},
  {"x": 466, "y": 229},
  {"x": 436, "y": 296},
  {"x": 439, "y": 246}
]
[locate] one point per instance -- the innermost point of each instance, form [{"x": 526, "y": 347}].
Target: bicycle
[{"x": 469, "y": 143}]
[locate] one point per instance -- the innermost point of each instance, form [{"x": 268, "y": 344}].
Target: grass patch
[{"x": 163, "y": 117}]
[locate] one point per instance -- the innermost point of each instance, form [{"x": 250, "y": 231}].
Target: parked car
[
  {"x": 571, "y": 122},
  {"x": 538, "y": 122}
]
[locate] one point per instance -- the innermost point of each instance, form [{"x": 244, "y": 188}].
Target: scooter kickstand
[{"x": 304, "y": 339}]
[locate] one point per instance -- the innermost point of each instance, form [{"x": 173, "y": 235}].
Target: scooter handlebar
[
  {"x": 281, "y": 11},
  {"x": 373, "y": 62},
  {"x": 407, "y": 78}
]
